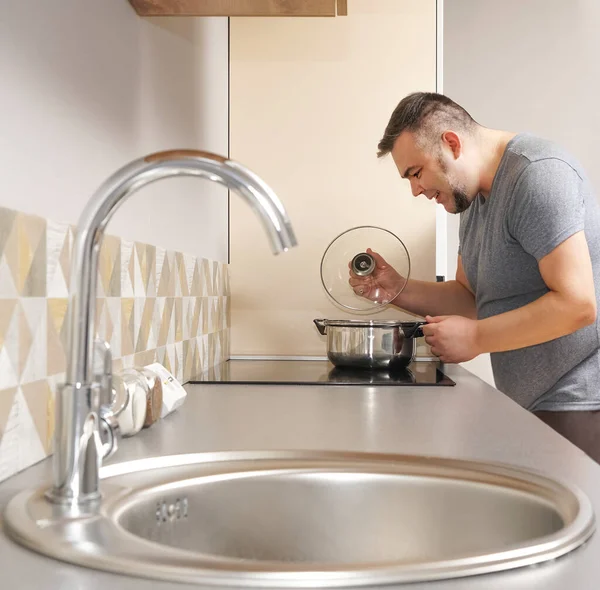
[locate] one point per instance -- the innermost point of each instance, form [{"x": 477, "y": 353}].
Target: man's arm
[
  {"x": 447, "y": 298},
  {"x": 569, "y": 306}
]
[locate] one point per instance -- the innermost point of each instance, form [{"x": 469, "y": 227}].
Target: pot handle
[
  {"x": 416, "y": 331},
  {"x": 321, "y": 326}
]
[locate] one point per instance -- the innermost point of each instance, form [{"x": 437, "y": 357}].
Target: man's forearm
[
  {"x": 551, "y": 316},
  {"x": 428, "y": 298}
]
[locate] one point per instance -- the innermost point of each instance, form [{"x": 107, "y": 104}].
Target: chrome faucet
[{"x": 85, "y": 432}]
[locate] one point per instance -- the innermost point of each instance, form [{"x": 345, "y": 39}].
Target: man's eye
[{"x": 418, "y": 174}]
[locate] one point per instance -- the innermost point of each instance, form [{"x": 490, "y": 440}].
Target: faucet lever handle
[
  {"x": 109, "y": 434},
  {"x": 108, "y": 424},
  {"x": 103, "y": 372}
]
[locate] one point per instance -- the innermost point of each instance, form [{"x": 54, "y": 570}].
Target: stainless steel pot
[{"x": 370, "y": 344}]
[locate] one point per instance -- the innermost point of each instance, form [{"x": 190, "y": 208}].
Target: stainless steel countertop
[{"x": 471, "y": 420}]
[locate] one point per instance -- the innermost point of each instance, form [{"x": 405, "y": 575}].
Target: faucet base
[{"x": 55, "y": 496}]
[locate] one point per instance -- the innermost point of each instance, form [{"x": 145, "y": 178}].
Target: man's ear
[{"x": 452, "y": 141}]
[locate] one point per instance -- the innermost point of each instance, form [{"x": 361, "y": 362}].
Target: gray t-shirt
[{"x": 539, "y": 198}]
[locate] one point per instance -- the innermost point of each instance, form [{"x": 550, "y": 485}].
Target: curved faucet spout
[{"x": 77, "y": 401}]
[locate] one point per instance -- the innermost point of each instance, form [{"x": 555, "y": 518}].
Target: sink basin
[{"x": 295, "y": 519}]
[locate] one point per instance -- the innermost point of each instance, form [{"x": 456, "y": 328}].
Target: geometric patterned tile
[
  {"x": 171, "y": 313},
  {"x": 161, "y": 352},
  {"x": 211, "y": 350},
  {"x": 166, "y": 332},
  {"x": 207, "y": 278},
  {"x": 56, "y": 335},
  {"x": 226, "y": 344},
  {"x": 227, "y": 312},
  {"x": 127, "y": 268},
  {"x": 200, "y": 348},
  {"x": 216, "y": 277},
  {"x": 20, "y": 446},
  {"x": 146, "y": 336},
  {"x": 127, "y": 326},
  {"x": 8, "y": 287},
  {"x": 9, "y": 253},
  {"x": 186, "y": 303},
  {"x": 173, "y": 285},
  {"x": 146, "y": 357},
  {"x": 152, "y": 305},
  {"x": 196, "y": 316},
  {"x": 109, "y": 267},
  {"x": 10, "y": 313},
  {"x": 161, "y": 283},
  {"x": 204, "y": 312},
  {"x": 213, "y": 315},
  {"x": 208, "y": 361},
  {"x": 189, "y": 265},
  {"x": 32, "y": 255},
  {"x": 38, "y": 396},
  {"x": 218, "y": 315},
  {"x": 135, "y": 272},
  {"x": 166, "y": 275},
  {"x": 179, "y": 363},
  {"x": 150, "y": 276},
  {"x": 7, "y": 397},
  {"x": 187, "y": 347},
  {"x": 59, "y": 242},
  {"x": 138, "y": 308},
  {"x": 144, "y": 275},
  {"x": 178, "y": 319},
  {"x": 33, "y": 339},
  {"x": 157, "y": 319},
  {"x": 181, "y": 288},
  {"x": 197, "y": 284},
  {"x": 168, "y": 358}
]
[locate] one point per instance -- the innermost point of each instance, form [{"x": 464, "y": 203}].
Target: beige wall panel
[{"x": 309, "y": 102}]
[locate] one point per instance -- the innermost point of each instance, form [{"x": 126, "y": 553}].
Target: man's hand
[
  {"x": 454, "y": 339},
  {"x": 382, "y": 286}
]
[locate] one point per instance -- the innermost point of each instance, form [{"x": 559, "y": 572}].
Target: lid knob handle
[{"x": 363, "y": 264}]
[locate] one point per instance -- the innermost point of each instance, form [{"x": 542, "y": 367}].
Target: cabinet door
[{"x": 240, "y": 7}]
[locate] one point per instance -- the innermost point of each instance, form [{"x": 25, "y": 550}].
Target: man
[{"x": 527, "y": 282}]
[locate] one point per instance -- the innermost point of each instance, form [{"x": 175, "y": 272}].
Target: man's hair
[{"x": 426, "y": 114}]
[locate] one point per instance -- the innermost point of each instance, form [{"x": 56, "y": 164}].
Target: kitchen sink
[{"x": 309, "y": 519}]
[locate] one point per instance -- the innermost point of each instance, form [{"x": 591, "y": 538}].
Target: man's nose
[{"x": 415, "y": 187}]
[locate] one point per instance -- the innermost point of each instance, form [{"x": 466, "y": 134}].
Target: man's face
[{"x": 431, "y": 172}]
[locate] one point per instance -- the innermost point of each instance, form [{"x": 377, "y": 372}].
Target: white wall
[
  {"x": 87, "y": 86},
  {"x": 526, "y": 65}
]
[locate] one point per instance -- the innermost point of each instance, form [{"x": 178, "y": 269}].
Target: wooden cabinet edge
[
  {"x": 342, "y": 7},
  {"x": 291, "y": 8}
]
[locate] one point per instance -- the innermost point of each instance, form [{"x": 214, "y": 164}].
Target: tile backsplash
[{"x": 153, "y": 305}]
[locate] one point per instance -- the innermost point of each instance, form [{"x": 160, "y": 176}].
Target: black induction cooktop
[{"x": 320, "y": 372}]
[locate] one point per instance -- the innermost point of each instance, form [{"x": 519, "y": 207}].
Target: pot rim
[{"x": 371, "y": 323}]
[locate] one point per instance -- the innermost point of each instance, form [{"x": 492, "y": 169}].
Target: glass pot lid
[{"x": 359, "y": 248}]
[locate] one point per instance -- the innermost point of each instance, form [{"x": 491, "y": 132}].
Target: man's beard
[{"x": 461, "y": 201}]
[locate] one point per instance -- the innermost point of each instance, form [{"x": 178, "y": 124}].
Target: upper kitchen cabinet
[{"x": 240, "y": 7}]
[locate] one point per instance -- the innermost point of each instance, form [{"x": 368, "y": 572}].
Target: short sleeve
[{"x": 547, "y": 206}]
